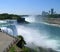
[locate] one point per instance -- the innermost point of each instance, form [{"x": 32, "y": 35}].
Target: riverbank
[
  {"x": 27, "y": 49},
  {"x": 52, "y": 21}
]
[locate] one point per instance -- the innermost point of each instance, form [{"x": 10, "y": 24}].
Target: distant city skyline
[{"x": 28, "y": 6}]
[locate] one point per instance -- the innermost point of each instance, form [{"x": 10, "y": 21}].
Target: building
[
  {"x": 52, "y": 11},
  {"x": 44, "y": 13}
]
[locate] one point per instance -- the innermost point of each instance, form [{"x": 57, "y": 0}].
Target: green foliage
[
  {"x": 8, "y": 16},
  {"x": 12, "y": 49},
  {"x": 15, "y": 47},
  {"x": 5, "y": 16},
  {"x": 54, "y": 16},
  {"x": 25, "y": 49},
  {"x": 20, "y": 36},
  {"x": 21, "y": 42}
]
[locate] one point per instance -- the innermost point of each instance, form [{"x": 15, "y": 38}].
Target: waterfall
[
  {"x": 34, "y": 34},
  {"x": 34, "y": 19},
  {"x": 30, "y": 19}
]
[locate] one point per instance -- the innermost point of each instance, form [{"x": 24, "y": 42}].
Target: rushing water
[{"x": 38, "y": 34}]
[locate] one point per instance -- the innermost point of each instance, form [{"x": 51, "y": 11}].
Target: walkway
[{"x": 5, "y": 40}]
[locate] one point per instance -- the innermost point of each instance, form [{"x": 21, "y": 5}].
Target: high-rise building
[
  {"x": 44, "y": 13},
  {"x": 52, "y": 11}
]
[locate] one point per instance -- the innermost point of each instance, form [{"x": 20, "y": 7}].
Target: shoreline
[
  {"x": 51, "y": 24},
  {"x": 52, "y": 21}
]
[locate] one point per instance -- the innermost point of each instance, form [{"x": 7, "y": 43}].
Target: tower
[{"x": 52, "y": 11}]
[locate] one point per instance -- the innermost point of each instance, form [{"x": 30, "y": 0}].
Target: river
[{"x": 37, "y": 34}]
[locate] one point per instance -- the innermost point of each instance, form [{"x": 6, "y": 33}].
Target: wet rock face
[{"x": 21, "y": 20}]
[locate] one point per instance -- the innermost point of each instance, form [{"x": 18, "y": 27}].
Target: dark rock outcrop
[{"x": 21, "y": 20}]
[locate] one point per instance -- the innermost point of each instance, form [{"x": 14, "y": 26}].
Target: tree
[{"x": 21, "y": 42}]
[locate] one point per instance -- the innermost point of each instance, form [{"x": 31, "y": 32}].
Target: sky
[{"x": 28, "y": 6}]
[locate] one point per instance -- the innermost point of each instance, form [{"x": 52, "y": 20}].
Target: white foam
[
  {"x": 33, "y": 19},
  {"x": 30, "y": 19},
  {"x": 8, "y": 30},
  {"x": 37, "y": 38},
  {"x": 3, "y": 21}
]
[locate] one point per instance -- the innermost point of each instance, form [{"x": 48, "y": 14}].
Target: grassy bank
[{"x": 15, "y": 48}]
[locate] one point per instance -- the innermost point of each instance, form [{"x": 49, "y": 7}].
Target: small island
[{"x": 6, "y": 16}]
